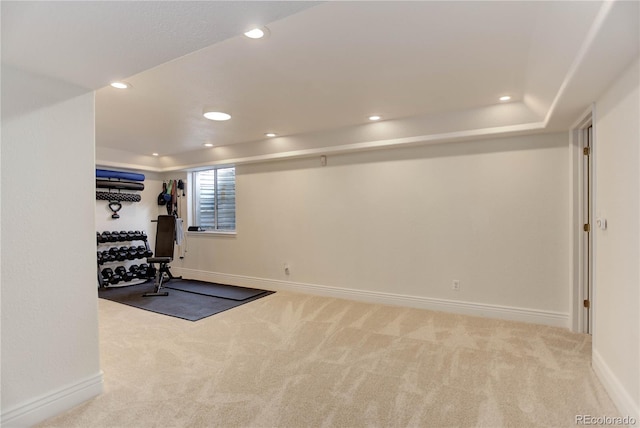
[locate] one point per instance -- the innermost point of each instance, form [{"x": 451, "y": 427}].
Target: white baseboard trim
[
  {"x": 555, "y": 319},
  {"x": 619, "y": 395},
  {"x": 53, "y": 403}
]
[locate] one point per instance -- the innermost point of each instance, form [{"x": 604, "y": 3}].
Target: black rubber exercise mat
[
  {"x": 179, "y": 304},
  {"x": 215, "y": 290}
]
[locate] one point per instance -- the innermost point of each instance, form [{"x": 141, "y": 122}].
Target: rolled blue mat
[{"x": 105, "y": 173}]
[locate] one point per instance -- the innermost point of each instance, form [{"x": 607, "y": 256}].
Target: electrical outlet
[{"x": 455, "y": 285}]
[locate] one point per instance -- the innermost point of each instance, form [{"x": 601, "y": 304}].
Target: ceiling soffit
[{"x": 432, "y": 69}]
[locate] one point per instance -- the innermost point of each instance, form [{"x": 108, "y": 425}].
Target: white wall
[
  {"x": 616, "y": 329},
  {"x": 50, "y": 358},
  {"x": 406, "y": 222},
  {"x": 0, "y": 245}
]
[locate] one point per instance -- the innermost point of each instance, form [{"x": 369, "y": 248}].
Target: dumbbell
[
  {"x": 143, "y": 271},
  {"x": 143, "y": 236},
  {"x": 137, "y": 235},
  {"x": 110, "y": 277},
  {"x": 113, "y": 252},
  {"x": 122, "y": 271},
  {"x": 134, "y": 269},
  {"x": 122, "y": 254},
  {"x": 133, "y": 252},
  {"x": 105, "y": 236},
  {"x": 104, "y": 257},
  {"x": 139, "y": 251},
  {"x": 107, "y": 256},
  {"x": 116, "y": 254},
  {"x": 107, "y": 274}
]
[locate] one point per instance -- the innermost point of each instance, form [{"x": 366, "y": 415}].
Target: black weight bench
[{"x": 163, "y": 255}]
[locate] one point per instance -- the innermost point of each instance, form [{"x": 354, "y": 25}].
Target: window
[{"x": 214, "y": 192}]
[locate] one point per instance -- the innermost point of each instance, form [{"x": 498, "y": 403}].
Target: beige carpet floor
[{"x": 293, "y": 360}]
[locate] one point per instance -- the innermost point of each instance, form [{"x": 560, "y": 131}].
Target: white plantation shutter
[
  {"x": 226, "y": 200},
  {"x": 215, "y": 199},
  {"x": 205, "y": 193}
]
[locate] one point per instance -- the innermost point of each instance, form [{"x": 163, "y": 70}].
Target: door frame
[{"x": 580, "y": 322}]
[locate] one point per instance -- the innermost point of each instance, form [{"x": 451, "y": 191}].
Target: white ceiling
[
  {"x": 90, "y": 43},
  {"x": 427, "y": 67}
]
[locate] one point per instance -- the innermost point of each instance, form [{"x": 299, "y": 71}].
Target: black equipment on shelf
[{"x": 116, "y": 196}]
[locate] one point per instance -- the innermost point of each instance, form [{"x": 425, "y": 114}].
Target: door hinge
[
  {"x": 587, "y": 304},
  {"x": 586, "y": 227},
  {"x": 586, "y": 151}
]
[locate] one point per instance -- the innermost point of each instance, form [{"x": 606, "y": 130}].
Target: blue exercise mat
[{"x": 105, "y": 173}]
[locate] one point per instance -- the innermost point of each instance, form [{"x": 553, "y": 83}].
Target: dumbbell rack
[{"x": 112, "y": 253}]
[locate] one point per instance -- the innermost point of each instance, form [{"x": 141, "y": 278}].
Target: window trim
[{"x": 219, "y": 233}]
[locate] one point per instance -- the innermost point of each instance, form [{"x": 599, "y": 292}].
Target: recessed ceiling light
[
  {"x": 505, "y": 98},
  {"x": 120, "y": 85},
  {"x": 208, "y": 145},
  {"x": 270, "y": 134},
  {"x": 216, "y": 115},
  {"x": 257, "y": 33},
  {"x": 374, "y": 118},
  {"x": 155, "y": 154}
]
